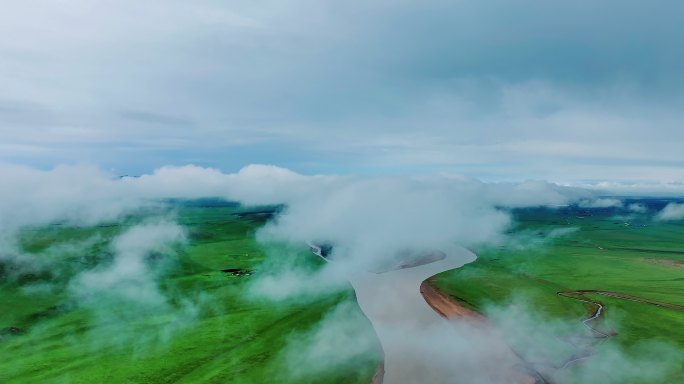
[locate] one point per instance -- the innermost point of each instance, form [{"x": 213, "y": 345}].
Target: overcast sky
[{"x": 500, "y": 90}]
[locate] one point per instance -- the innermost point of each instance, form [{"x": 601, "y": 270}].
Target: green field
[
  {"x": 569, "y": 249},
  {"x": 210, "y": 330}
]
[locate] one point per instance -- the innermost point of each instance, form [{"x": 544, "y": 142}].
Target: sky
[
  {"x": 326, "y": 107},
  {"x": 563, "y": 91}
]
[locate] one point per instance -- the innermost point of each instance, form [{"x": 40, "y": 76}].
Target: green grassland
[
  {"x": 229, "y": 336},
  {"x": 600, "y": 249},
  {"x": 213, "y": 331}
]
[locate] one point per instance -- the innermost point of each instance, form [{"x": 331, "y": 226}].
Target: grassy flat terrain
[
  {"x": 570, "y": 249},
  {"x": 206, "y": 331},
  {"x": 210, "y": 329}
]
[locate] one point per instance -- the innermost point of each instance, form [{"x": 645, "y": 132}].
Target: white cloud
[
  {"x": 126, "y": 289},
  {"x": 637, "y": 208},
  {"x": 548, "y": 343},
  {"x": 516, "y": 339},
  {"x": 341, "y": 341},
  {"x": 226, "y": 84},
  {"x": 671, "y": 212},
  {"x": 368, "y": 217},
  {"x": 80, "y": 193},
  {"x": 625, "y": 188},
  {"x": 129, "y": 277},
  {"x": 370, "y": 220},
  {"x": 601, "y": 203}
]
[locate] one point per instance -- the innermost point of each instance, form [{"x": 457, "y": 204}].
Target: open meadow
[
  {"x": 208, "y": 329},
  {"x": 190, "y": 313},
  {"x": 633, "y": 264}
]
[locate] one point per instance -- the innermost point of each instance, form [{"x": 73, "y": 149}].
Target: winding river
[{"x": 421, "y": 345}]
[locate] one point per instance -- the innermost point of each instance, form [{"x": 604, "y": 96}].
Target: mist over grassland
[
  {"x": 616, "y": 249},
  {"x": 115, "y": 267}
]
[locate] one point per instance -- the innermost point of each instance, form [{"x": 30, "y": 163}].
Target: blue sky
[{"x": 500, "y": 90}]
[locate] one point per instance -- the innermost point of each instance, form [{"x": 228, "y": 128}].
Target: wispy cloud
[
  {"x": 370, "y": 220},
  {"x": 672, "y": 211}
]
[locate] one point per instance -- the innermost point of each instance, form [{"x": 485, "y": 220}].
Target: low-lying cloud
[
  {"x": 637, "y": 208},
  {"x": 342, "y": 341},
  {"x": 434, "y": 209},
  {"x": 550, "y": 346},
  {"x": 370, "y": 220},
  {"x": 139, "y": 257},
  {"x": 671, "y": 212},
  {"x": 601, "y": 203},
  {"x": 125, "y": 289}
]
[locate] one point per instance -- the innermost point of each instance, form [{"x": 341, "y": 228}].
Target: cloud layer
[
  {"x": 370, "y": 220},
  {"x": 501, "y": 90},
  {"x": 671, "y": 212}
]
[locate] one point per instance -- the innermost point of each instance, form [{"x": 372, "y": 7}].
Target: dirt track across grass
[{"x": 622, "y": 296}]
